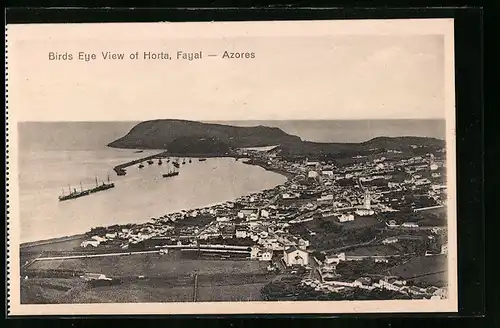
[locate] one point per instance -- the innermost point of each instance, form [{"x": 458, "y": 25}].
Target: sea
[{"x": 57, "y": 156}]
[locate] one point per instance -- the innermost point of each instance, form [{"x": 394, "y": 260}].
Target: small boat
[
  {"x": 138, "y": 151},
  {"x": 176, "y": 164},
  {"x": 190, "y": 160},
  {"x": 202, "y": 159},
  {"x": 150, "y": 162},
  {"x": 170, "y": 174},
  {"x": 141, "y": 166},
  {"x": 160, "y": 162},
  {"x": 183, "y": 161}
]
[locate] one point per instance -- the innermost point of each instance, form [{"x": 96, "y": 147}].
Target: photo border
[{"x": 465, "y": 123}]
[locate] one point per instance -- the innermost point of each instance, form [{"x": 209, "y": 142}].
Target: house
[
  {"x": 111, "y": 235},
  {"x": 295, "y": 256},
  {"x": 346, "y": 217},
  {"x": 241, "y": 233},
  {"x": 409, "y": 225},
  {"x": 264, "y": 213},
  {"x": 327, "y": 173},
  {"x": 325, "y": 198},
  {"x": 93, "y": 243},
  {"x": 363, "y": 282},
  {"x": 311, "y": 163},
  {"x": 364, "y": 212},
  {"x": 94, "y": 276},
  {"x": 265, "y": 255},
  {"x": 254, "y": 252},
  {"x": 391, "y": 283},
  {"x": 312, "y": 174},
  {"x": 390, "y": 240},
  {"x": 444, "y": 249},
  {"x": 392, "y": 224}
]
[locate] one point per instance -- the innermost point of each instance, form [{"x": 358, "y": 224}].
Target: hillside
[
  {"x": 182, "y": 136},
  {"x": 158, "y": 134}
]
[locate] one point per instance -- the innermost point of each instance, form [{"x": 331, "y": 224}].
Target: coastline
[{"x": 26, "y": 246}]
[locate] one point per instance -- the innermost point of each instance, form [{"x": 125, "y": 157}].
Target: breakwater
[{"x": 121, "y": 169}]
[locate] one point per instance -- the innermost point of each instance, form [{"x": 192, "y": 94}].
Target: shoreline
[
  {"x": 55, "y": 240},
  {"x": 50, "y": 241}
]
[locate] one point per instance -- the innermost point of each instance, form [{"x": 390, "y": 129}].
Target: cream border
[{"x": 225, "y": 29}]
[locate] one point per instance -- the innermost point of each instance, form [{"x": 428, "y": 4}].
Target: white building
[
  {"x": 312, "y": 174},
  {"x": 364, "y": 212},
  {"x": 409, "y": 225},
  {"x": 264, "y": 213},
  {"x": 328, "y": 174},
  {"x": 346, "y": 217},
  {"x": 390, "y": 240},
  {"x": 325, "y": 198},
  {"x": 241, "y": 233},
  {"x": 265, "y": 255},
  {"x": 295, "y": 256}
]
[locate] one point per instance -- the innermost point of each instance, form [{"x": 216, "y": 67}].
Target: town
[{"x": 364, "y": 227}]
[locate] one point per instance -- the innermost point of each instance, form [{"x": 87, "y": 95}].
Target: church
[{"x": 295, "y": 256}]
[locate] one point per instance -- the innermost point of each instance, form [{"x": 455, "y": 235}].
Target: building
[
  {"x": 312, "y": 174},
  {"x": 295, "y": 256},
  {"x": 392, "y": 224},
  {"x": 265, "y": 255},
  {"x": 94, "y": 276},
  {"x": 346, "y": 217},
  {"x": 241, "y": 233},
  {"x": 364, "y": 212},
  {"x": 444, "y": 249},
  {"x": 409, "y": 225},
  {"x": 390, "y": 240},
  {"x": 328, "y": 174},
  {"x": 367, "y": 201}
]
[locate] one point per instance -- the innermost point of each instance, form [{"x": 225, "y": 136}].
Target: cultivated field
[
  {"x": 246, "y": 292},
  {"x": 151, "y": 265},
  {"x": 430, "y": 269}
]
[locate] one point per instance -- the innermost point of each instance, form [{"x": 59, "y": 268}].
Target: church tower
[{"x": 367, "y": 201}]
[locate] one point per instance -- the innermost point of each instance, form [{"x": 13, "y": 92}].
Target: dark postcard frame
[{"x": 469, "y": 116}]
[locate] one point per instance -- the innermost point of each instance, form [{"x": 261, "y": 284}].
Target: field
[
  {"x": 148, "y": 278},
  {"x": 56, "y": 244},
  {"x": 246, "y": 292},
  {"x": 360, "y": 223},
  {"x": 424, "y": 269},
  {"x": 151, "y": 265},
  {"x": 373, "y": 250}
]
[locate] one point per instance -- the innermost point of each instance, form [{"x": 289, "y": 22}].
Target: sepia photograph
[{"x": 232, "y": 167}]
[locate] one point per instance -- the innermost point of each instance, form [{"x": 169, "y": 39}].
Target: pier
[{"x": 120, "y": 169}]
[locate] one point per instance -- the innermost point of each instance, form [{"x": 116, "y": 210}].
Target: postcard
[{"x": 272, "y": 167}]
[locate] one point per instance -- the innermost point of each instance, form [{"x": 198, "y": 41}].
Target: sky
[{"x": 363, "y": 75}]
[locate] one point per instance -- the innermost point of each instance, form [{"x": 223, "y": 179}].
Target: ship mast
[
  {"x": 81, "y": 187},
  {"x": 96, "y": 184}
]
